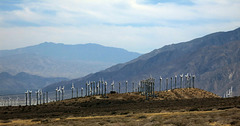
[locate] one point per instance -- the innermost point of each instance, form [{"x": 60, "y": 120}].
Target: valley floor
[{"x": 211, "y": 118}]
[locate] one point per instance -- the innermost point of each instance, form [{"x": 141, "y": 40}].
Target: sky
[{"x": 136, "y": 25}]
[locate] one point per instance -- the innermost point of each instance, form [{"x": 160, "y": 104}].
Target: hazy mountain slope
[
  {"x": 84, "y": 52},
  {"x": 19, "y": 83},
  {"x": 213, "y": 58},
  {"x": 54, "y": 60}
]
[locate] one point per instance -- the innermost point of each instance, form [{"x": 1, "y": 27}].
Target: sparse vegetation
[{"x": 129, "y": 109}]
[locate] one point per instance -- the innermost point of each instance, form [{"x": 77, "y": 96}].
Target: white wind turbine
[
  {"x": 59, "y": 93},
  {"x": 105, "y": 89},
  {"x": 72, "y": 89},
  {"x": 160, "y": 83},
  {"x": 81, "y": 92},
  {"x": 56, "y": 93},
  {"x": 175, "y": 81},
  {"x": 126, "y": 86},
  {"x": 62, "y": 92},
  {"x": 26, "y": 95},
  {"x": 30, "y": 97},
  {"x": 37, "y": 96},
  {"x": 181, "y": 81},
  {"x": 112, "y": 84}
]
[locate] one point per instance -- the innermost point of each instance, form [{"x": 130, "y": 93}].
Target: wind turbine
[
  {"x": 26, "y": 94},
  {"x": 56, "y": 93},
  {"x": 30, "y": 97},
  {"x": 132, "y": 86},
  {"x": 86, "y": 89},
  {"x": 72, "y": 89},
  {"x": 91, "y": 87},
  {"x": 36, "y": 96},
  {"x": 59, "y": 93},
  {"x": 47, "y": 96},
  {"x": 43, "y": 98},
  {"x": 139, "y": 86},
  {"x": 126, "y": 86},
  {"x": 119, "y": 86},
  {"x": 102, "y": 87},
  {"x": 97, "y": 88},
  {"x": 17, "y": 101},
  {"x": 40, "y": 94},
  {"x": 193, "y": 79},
  {"x": 175, "y": 81},
  {"x": 105, "y": 89},
  {"x": 62, "y": 92},
  {"x": 9, "y": 101},
  {"x": 190, "y": 80},
  {"x": 153, "y": 85},
  {"x": 186, "y": 76},
  {"x": 94, "y": 89},
  {"x": 77, "y": 91},
  {"x": 166, "y": 84},
  {"x": 81, "y": 92},
  {"x": 181, "y": 80},
  {"x": 112, "y": 84},
  {"x": 160, "y": 83}
]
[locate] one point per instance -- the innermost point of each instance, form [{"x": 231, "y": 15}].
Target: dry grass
[
  {"x": 20, "y": 122},
  {"x": 178, "y": 107},
  {"x": 197, "y": 118}
]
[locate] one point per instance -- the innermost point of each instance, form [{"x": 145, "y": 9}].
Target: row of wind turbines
[{"x": 144, "y": 87}]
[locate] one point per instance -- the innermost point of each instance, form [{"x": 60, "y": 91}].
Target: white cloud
[{"x": 129, "y": 24}]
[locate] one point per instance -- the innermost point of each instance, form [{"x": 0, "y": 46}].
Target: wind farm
[{"x": 120, "y": 62}]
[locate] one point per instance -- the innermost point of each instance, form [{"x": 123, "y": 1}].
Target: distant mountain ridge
[
  {"x": 58, "y": 60},
  {"x": 19, "y": 83},
  {"x": 84, "y": 52},
  {"x": 214, "y": 59}
]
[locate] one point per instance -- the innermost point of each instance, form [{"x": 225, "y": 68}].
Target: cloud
[{"x": 136, "y": 25}]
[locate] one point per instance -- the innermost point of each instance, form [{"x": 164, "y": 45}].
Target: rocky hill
[{"x": 214, "y": 59}]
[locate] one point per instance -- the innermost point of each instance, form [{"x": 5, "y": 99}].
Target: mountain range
[
  {"x": 59, "y": 60},
  {"x": 214, "y": 59},
  {"x": 21, "y": 82}
]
